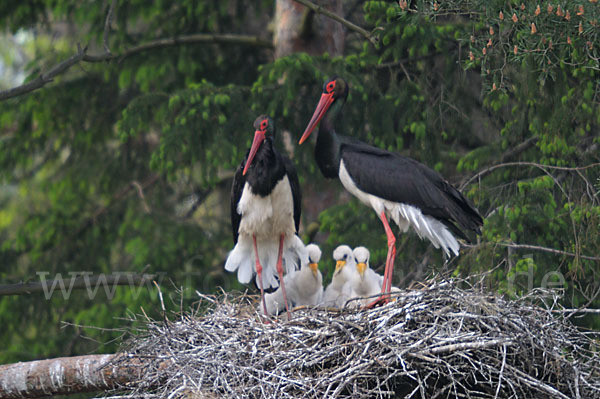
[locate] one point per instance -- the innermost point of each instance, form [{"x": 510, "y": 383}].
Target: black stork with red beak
[
  {"x": 265, "y": 215},
  {"x": 393, "y": 185}
]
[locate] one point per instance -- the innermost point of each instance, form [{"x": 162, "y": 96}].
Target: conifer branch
[
  {"x": 82, "y": 55},
  {"x": 321, "y": 10}
]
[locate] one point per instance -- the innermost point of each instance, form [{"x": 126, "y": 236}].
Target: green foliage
[{"x": 127, "y": 165}]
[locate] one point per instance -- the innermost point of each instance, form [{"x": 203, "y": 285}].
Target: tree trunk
[
  {"x": 65, "y": 375},
  {"x": 298, "y": 29}
]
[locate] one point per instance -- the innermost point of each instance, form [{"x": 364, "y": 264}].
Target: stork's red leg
[
  {"x": 259, "y": 272},
  {"x": 280, "y": 273},
  {"x": 386, "y": 287},
  {"x": 391, "y": 256}
]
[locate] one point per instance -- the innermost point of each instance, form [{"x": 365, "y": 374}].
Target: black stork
[
  {"x": 395, "y": 186},
  {"x": 265, "y": 215}
]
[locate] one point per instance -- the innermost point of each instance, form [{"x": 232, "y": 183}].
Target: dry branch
[
  {"x": 63, "y": 375},
  {"x": 542, "y": 167},
  {"x": 44, "y": 78},
  {"x": 321, "y": 10},
  {"x": 550, "y": 250},
  {"x": 75, "y": 283},
  {"x": 82, "y": 55}
]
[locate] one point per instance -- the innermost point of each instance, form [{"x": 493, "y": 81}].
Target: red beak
[
  {"x": 322, "y": 107},
  {"x": 259, "y": 137}
]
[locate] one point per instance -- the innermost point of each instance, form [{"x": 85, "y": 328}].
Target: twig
[
  {"x": 550, "y": 250},
  {"x": 123, "y": 193},
  {"x": 82, "y": 55},
  {"x": 227, "y": 38},
  {"x": 321, "y": 10},
  {"x": 575, "y": 311},
  {"x": 107, "y": 23},
  {"x": 464, "y": 346},
  {"x": 520, "y": 148},
  {"x": 44, "y": 78},
  {"x": 534, "y": 164},
  {"x": 140, "y": 192},
  {"x": 75, "y": 283}
]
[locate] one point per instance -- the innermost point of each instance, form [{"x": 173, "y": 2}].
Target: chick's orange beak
[
  {"x": 361, "y": 267},
  {"x": 339, "y": 264}
]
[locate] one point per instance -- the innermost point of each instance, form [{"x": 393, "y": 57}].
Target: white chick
[
  {"x": 308, "y": 281},
  {"x": 302, "y": 287},
  {"x": 366, "y": 283},
  {"x": 338, "y": 292}
]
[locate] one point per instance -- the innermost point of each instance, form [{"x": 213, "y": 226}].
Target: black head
[
  {"x": 336, "y": 85},
  {"x": 335, "y": 89},
  {"x": 264, "y": 127},
  {"x": 265, "y": 124}
]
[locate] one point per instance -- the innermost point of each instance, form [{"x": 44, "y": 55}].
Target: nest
[{"x": 437, "y": 342}]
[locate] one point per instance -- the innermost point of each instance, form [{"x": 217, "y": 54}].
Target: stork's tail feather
[
  {"x": 427, "y": 227},
  {"x": 242, "y": 260}
]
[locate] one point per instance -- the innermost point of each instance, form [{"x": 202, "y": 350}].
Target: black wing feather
[
  {"x": 400, "y": 179},
  {"x": 290, "y": 170},
  {"x": 239, "y": 181}
]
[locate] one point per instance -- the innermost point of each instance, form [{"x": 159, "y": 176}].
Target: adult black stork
[
  {"x": 265, "y": 214},
  {"x": 393, "y": 185}
]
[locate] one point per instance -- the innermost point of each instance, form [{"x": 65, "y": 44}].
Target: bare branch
[
  {"x": 107, "y": 23},
  {"x": 82, "y": 55},
  {"x": 121, "y": 194},
  {"x": 68, "y": 375},
  {"x": 188, "y": 39},
  {"x": 486, "y": 171},
  {"x": 576, "y": 311},
  {"x": 75, "y": 283},
  {"x": 44, "y": 78},
  {"x": 320, "y": 10},
  {"x": 549, "y": 250},
  {"x": 140, "y": 191},
  {"x": 60, "y": 376},
  {"x": 522, "y": 147}
]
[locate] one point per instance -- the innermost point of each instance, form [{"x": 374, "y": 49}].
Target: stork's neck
[{"x": 327, "y": 150}]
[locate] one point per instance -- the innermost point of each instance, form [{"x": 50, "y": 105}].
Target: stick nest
[{"x": 437, "y": 342}]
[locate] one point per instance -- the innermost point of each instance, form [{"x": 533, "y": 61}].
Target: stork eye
[
  {"x": 345, "y": 257},
  {"x": 263, "y": 124},
  {"x": 330, "y": 86}
]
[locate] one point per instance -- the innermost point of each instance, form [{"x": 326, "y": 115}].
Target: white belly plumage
[
  {"x": 270, "y": 216},
  {"x": 404, "y": 215},
  {"x": 266, "y": 218}
]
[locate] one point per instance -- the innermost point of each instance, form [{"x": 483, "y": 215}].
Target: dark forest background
[{"x": 120, "y": 163}]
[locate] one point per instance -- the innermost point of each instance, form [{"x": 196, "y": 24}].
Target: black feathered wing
[
  {"x": 237, "y": 188},
  {"x": 395, "y": 178},
  {"x": 290, "y": 171}
]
